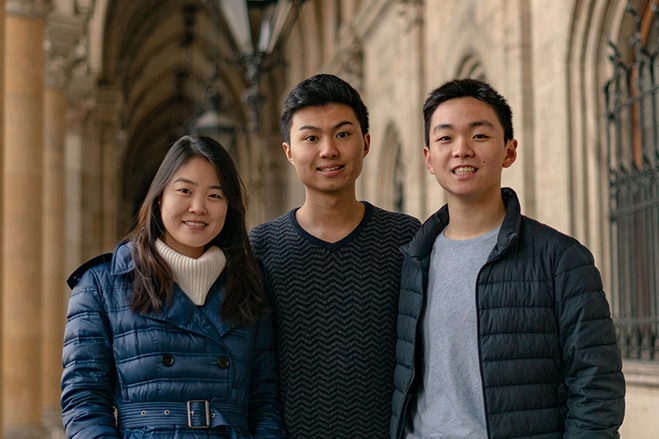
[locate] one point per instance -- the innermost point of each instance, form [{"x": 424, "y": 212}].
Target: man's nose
[
  {"x": 328, "y": 148},
  {"x": 462, "y": 148}
]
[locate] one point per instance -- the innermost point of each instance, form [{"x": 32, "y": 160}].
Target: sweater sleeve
[
  {"x": 264, "y": 406},
  {"x": 89, "y": 375},
  {"x": 591, "y": 360}
]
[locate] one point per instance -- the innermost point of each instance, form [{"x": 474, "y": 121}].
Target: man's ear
[
  {"x": 367, "y": 144},
  {"x": 426, "y": 154},
  {"x": 510, "y": 154},
  {"x": 287, "y": 151}
]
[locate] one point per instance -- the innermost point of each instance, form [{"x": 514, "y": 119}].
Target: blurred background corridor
[{"x": 94, "y": 91}]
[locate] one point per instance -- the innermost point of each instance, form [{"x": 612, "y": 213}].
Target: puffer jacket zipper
[
  {"x": 403, "y": 413},
  {"x": 491, "y": 261}
]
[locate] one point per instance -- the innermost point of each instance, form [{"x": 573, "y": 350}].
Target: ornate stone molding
[
  {"x": 84, "y": 7},
  {"x": 411, "y": 11},
  {"x": 77, "y": 111},
  {"x": 30, "y": 8},
  {"x": 350, "y": 62},
  {"x": 107, "y": 104},
  {"x": 66, "y": 47},
  {"x": 56, "y": 72}
]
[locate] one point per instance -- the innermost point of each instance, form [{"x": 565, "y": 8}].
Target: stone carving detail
[
  {"x": 351, "y": 62},
  {"x": 56, "y": 72},
  {"x": 66, "y": 48},
  {"x": 33, "y": 8},
  {"x": 411, "y": 11}
]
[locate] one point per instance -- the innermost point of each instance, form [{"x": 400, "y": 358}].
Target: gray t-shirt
[{"x": 449, "y": 403}]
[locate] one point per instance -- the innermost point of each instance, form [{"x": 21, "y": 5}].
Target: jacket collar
[
  {"x": 181, "y": 312},
  {"x": 184, "y": 314},
  {"x": 122, "y": 259},
  {"x": 511, "y": 225},
  {"x": 421, "y": 244}
]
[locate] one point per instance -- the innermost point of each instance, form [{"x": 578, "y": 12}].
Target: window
[{"x": 632, "y": 109}]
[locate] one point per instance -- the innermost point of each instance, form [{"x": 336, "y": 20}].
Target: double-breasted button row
[
  {"x": 167, "y": 360},
  {"x": 223, "y": 362}
]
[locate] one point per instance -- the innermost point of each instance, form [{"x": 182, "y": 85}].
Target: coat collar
[
  {"x": 421, "y": 244},
  {"x": 181, "y": 312},
  {"x": 122, "y": 259}
]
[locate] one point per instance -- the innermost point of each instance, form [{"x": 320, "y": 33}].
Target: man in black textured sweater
[{"x": 334, "y": 267}]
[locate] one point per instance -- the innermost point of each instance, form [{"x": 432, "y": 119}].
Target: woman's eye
[
  {"x": 184, "y": 190},
  {"x": 216, "y": 196}
]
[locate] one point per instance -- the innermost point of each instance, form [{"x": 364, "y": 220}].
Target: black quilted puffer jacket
[{"x": 550, "y": 366}]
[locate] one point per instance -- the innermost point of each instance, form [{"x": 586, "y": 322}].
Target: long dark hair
[{"x": 153, "y": 281}]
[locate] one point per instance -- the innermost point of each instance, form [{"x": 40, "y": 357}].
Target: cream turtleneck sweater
[{"x": 194, "y": 276}]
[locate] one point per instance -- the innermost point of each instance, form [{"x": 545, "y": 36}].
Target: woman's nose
[{"x": 198, "y": 204}]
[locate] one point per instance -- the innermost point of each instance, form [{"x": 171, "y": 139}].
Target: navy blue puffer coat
[
  {"x": 179, "y": 373},
  {"x": 549, "y": 363}
]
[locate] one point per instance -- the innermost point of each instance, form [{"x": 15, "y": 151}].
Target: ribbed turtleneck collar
[{"x": 194, "y": 276}]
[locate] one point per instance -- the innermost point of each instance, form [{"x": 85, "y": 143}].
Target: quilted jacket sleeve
[
  {"x": 591, "y": 359},
  {"x": 264, "y": 407},
  {"x": 88, "y": 378}
]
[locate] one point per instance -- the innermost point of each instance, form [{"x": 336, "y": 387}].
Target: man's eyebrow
[
  {"x": 441, "y": 126},
  {"x": 476, "y": 123},
  {"x": 313, "y": 127},
  {"x": 483, "y": 122}
]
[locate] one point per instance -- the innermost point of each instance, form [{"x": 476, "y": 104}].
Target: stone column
[
  {"x": 61, "y": 34},
  {"x": 54, "y": 314},
  {"x": 73, "y": 186},
  {"x": 2, "y": 118},
  {"x": 105, "y": 124},
  {"x": 22, "y": 186}
]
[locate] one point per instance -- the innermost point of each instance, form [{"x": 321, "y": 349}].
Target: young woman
[{"x": 167, "y": 337}]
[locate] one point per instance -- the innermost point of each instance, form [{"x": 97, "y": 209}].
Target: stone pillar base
[
  {"x": 24, "y": 432},
  {"x": 52, "y": 424}
]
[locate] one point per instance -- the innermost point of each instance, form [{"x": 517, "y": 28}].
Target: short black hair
[
  {"x": 469, "y": 88},
  {"x": 317, "y": 91}
]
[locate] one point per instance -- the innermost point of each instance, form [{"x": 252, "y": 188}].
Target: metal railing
[{"x": 632, "y": 108}]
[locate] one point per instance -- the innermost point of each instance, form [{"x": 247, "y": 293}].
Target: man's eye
[
  {"x": 444, "y": 138},
  {"x": 481, "y": 136},
  {"x": 311, "y": 138},
  {"x": 342, "y": 134}
]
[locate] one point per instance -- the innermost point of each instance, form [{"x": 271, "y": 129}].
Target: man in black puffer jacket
[{"x": 503, "y": 329}]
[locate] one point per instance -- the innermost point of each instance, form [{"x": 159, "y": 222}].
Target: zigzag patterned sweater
[{"x": 335, "y": 308}]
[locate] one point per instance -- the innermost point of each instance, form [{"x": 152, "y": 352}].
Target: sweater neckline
[
  {"x": 368, "y": 212},
  {"x": 194, "y": 276}
]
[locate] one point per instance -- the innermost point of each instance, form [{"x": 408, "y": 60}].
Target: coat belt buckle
[{"x": 191, "y": 412}]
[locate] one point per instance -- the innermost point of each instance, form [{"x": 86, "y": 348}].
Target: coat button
[
  {"x": 167, "y": 360},
  {"x": 223, "y": 362}
]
